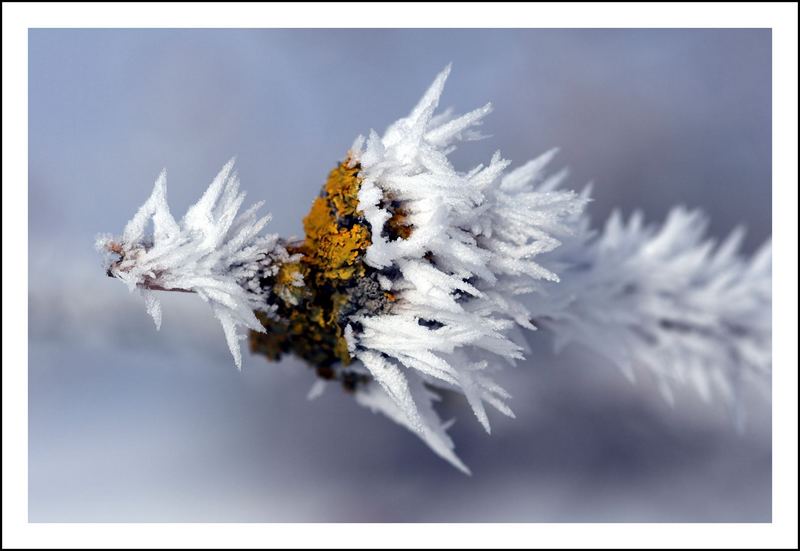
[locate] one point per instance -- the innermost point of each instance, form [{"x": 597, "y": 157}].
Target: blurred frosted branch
[{"x": 668, "y": 300}]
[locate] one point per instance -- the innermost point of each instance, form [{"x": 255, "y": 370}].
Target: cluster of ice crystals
[
  {"x": 490, "y": 252},
  {"x": 213, "y": 251},
  {"x": 663, "y": 299},
  {"x": 669, "y": 300},
  {"x": 458, "y": 276}
]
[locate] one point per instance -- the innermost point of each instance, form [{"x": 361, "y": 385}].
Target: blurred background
[{"x": 130, "y": 424}]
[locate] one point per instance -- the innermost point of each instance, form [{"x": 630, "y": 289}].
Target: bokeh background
[{"x": 129, "y": 424}]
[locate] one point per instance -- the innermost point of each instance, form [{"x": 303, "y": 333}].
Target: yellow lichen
[
  {"x": 309, "y": 320},
  {"x": 286, "y": 283},
  {"x": 336, "y": 235},
  {"x": 336, "y": 240},
  {"x": 398, "y": 225}
]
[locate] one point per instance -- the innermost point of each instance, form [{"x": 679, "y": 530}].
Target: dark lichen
[{"x": 309, "y": 320}]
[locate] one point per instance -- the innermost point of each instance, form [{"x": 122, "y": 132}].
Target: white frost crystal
[
  {"x": 668, "y": 300},
  {"x": 470, "y": 271},
  {"x": 470, "y": 256},
  {"x": 212, "y": 252},
  {"x": 490, "y": 252}
]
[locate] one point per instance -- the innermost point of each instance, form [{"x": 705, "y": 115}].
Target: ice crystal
[
  {"x": 667, "y": 300},
  {"x": 470, "y": 255},
  {"x": 417, "y": 278},
  {"x": 211, "y": 252}
]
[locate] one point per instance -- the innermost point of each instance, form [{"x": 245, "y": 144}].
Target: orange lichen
[
  {"x": 289, "y": 283},
  {"x": 398, "y": 225},
  {"x": 309, "y": 320},
  {"x": 336, "y": 235}
]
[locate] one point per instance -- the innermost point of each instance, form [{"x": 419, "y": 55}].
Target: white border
[{"x": 18, "y": 17}]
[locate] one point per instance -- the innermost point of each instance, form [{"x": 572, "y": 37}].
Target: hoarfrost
[{"x": 211, "y": 252}]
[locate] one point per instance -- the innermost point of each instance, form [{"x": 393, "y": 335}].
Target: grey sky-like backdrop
[{"x": 127, "y": 424}]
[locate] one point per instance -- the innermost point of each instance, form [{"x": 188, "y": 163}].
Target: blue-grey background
[{"x": 127, "y": 424}]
